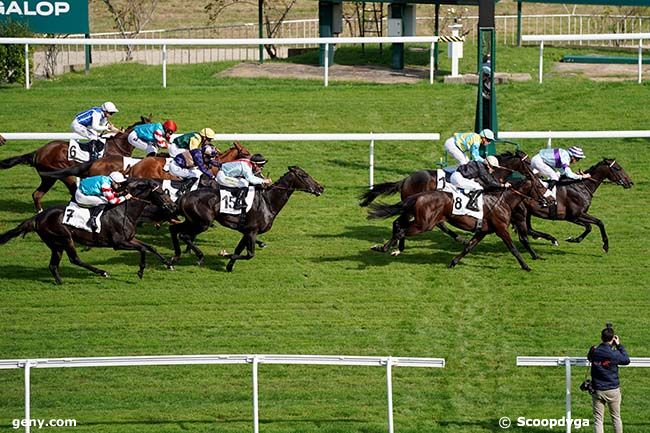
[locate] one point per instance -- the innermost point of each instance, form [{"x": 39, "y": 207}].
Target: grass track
[{"x": 317, "y": 289}]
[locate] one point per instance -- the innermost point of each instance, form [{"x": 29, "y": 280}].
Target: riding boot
[
  {"x": 96, "y": 148},
  {"x": 240, "y": 201},
  {"x": 94, "y": 213},
  {"x": 552, "y": 210},
  {"x": 472, "y": 204}
]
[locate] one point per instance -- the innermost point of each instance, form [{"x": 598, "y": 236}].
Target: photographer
[{"x": 605, "y": 359}]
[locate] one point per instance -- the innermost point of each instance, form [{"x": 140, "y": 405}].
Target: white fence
[
  {"x": 567, "y": 363},
  {"x": 640, "y": 37},
  {"x": 254, "y": 360},
  {"x": 164, "y": 43}
]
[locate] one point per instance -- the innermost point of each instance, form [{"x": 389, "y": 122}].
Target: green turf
[{"x": 317, "y": 288}]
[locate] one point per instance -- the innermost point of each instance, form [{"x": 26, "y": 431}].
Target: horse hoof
[
  {"x": 526, "y": 268},
  {"x": 170, "y": 267},
  {"x": 140, "y": 274},
  {"x": 395, "y": 253},
  {"x": 261, "y": 245},
  {"x": 555, "y": 243},
  {"x": 378, "y": 248},
  {"x": 201, "y": 261},
  {"x": 606, "y": 248},
  {"x": 104, "y": 274},
  {"x": 174, "y": 260},
  {"x": 572, "y": 240},
  {"x": 223, "y": 253}
]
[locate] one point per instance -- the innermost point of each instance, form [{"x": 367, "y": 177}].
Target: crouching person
[
  {"x": 240, "y": 174},
  {"x": 474, "y": 176},
  {"x": 98, "y": 191}
]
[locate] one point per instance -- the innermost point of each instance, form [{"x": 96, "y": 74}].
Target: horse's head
[
  {"x": 518, "y": 161},
  {"x": 609, "y": 169},
  {"x": 298, "y": 179},
  {"x": 143, "y": 120},
  {"x": 150, "y": 191}
]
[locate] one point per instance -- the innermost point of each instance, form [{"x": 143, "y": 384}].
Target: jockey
[
  {"x": 91, "y": 123},
  {"x": 192, "y": 163},
  {"x": 241, "y": 174},
  {"x": 151, "y": 136},
  {"x": 474, "y": 176},
  {"x": 469, "y": 143},
  {"x": 97, "y": 192},
  {"x": 547, "y": 161},
  {"x": 191, "y": 141}
]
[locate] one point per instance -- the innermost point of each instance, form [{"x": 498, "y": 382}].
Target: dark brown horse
[
  {"x": 573, "y": 202},
  {"x": 422, "y": 212},
  {"x": 54, "y": 156},
  {"x": 201, "y": 208},
  {"x": 117, "y": 228}
]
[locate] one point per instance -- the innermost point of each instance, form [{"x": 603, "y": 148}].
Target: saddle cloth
[
  {"x": 77, "y": 153},
  {"x": 130, "y": 162},
  {"x": 229, "y": 197},
  {"x": 172, "y": 187},
  {"x": 77, "y": 216},
  {"x": 460, "y": 205}
]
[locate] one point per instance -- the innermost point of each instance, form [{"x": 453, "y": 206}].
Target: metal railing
[
  {"x": 567, "y": 362},
  {"x": 254, "y": 360}
]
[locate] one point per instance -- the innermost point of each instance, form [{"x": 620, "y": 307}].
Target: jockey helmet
[
  {"x": 486, "y": 69},
  {"x": 487, "y": 134},
  {"x": 170, "y": 126},
  {"x": 258, "y": 159},
  {"x": 109, "y": 107},
  {"x": 492, "y": 161},
  {"x": 208, "y": 133},
  {"x": 576, "y": 152},
  {"x": 117, "y": 177}
]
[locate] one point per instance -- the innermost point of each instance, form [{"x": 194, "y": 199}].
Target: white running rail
[{"x": 255, "y": 360}]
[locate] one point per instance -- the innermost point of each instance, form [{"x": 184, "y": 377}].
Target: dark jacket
[
  {"x": 605, "y": 360},
  {"x": 479, "y": 172},
  {"x": 193, "y": 158}
]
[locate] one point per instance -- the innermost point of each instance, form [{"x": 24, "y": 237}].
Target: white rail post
[
  {"x": 372, "y": 162},
  {"x": 164, "y": 65},
  {"x": 541, "y": 61},
  {"x": 27, "y": 396},
  {"x": 549, "y": 143},
  {"x": 389, "y": 389},
  {"x": 256, "y": 414},
  {"x": 640, "y": 59},
  {"x": 431, "y": 62},
  {"x": 327, "y": 63},
  {"x": 26, "y": 66},
  {"x": 567, "y": 363}
]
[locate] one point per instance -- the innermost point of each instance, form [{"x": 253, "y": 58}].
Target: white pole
[
  {"x": 549, "y": 143},
  {"x": 541, "y": 61},
  {"x": 372, "y": 163},
  {"x": 640, "y": 59},
  {"x": 389, "y": 388},
  {"x": 26, "y": 66},
  {"x": 567, "y": 363},
  {"x": 27, "y": 397},
  {"x": 256, "y": 415},
  {"x": 431, "y": 63},
  {"x": 164, "y": 65},
  {"x": 327, "y": 63}
]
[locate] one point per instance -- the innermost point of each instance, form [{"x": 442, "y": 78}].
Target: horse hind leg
[
  {"x": 399, "y": 230},
  {"x": 43, "y": 188},
  {"x": 248, "y": 242},
  {"x": 478, "y": 237},
  {"x": 55, "y": 260}
]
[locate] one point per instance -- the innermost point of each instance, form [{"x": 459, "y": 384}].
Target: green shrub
[{"x": 12, "y": 57}]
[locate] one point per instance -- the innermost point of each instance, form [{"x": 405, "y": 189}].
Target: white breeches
[
  {"x": 459, "y": 181},
  {"x": 89, "y": 200},
  {"x": 85, "y": 132},
  {"x": 450, "y": 146},
  {"x": 176, "y": 170},
  {"x": 537, "y": 163},
  {"x": 174, "y": 150},
  {"x": 140, "y": 144},
  {"x": 233, "y": 182}
]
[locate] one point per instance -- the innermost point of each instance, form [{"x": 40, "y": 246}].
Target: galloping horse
[
  {"x": 573, "y": 202},
  {"x": 117, "y": 228},
  {"x": 54, "y": 156},
  {"x": 201, "y": 207},
  {"x": 422, "y": 212}
]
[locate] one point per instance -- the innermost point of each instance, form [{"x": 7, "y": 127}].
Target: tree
[
  {"x": 131, "y": 17},
  {"x": 12, "y": 57},
  {"x": 274, "y": 11}
]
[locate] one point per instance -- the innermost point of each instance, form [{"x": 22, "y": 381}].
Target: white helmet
[
  {"x": 109, "y": 107},
  {"x": 117, "y": 177},
  {"x": 492, "y": 161},
  {"x": 487, "y": 133},
  {"x": 576, "y": 152}
]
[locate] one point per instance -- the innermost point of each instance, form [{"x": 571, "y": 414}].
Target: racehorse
[
  {"x": 3, "y": 140},
  {"x": 201, "y": 207},
  {"x": 422, "y": 212},
  {"x": 54, "y": 155},
  {"x": 117, "y": 228},
  {"x": 573, "y": 202}
]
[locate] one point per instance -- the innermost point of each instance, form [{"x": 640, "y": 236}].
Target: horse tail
[
  {"x": 27, "y": 158},
  {"x": 25, "y": 227},
  {"x": 386, "y": 188},
  {"x": 79, "y": 170}
]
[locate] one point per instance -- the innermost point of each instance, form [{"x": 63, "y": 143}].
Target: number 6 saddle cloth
[
  {"x": 77, "y": 216},
  {"x": 79, "y": 152}
]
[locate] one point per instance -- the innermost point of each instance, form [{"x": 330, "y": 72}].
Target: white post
[
  {"x": 26, "y": 66},
  {"x": 541, "y": 61},
  {"x": 567, "y": 363},
  {"x": 327, "y": 64},
  {"x": 389, "y": 389},
  {"x": 455, "y": 49},
  {"x": 372, "y": 162},
  {"x": 640, "y": 59},
  {"x": 431, "y": 63},
  {"x": 256, "y": 415},
  {"x": 27, "y": 396},
  {"x": 164, "y": 65},
  {"x": 549, "y": 143}
]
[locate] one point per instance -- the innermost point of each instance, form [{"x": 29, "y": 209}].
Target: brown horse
[
  {"x": 153, "y": 167},
  {"x": 422, "y": 212},
  {"x": 3, "y": 140},
  {"x": 573, "y": 202},
  {"x": 54, "y": 156}
]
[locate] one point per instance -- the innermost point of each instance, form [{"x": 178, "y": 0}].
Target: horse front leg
[
  {"x": 449, "y": 232},
  {"x": 518, "y": 221},
  {"x": 43, "y": 188},
  {"x": 248, "y": 242},
  {"x": 55, "y": 260},
  {"x": 504, "y": 234},
  {"x": 135, "y": 244},
  {"x": 75, "y": 260},
  {"x": 478, "y": 237},
  {"x": 537, "y": 234},
  {"x": 587, "y": 220}
]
